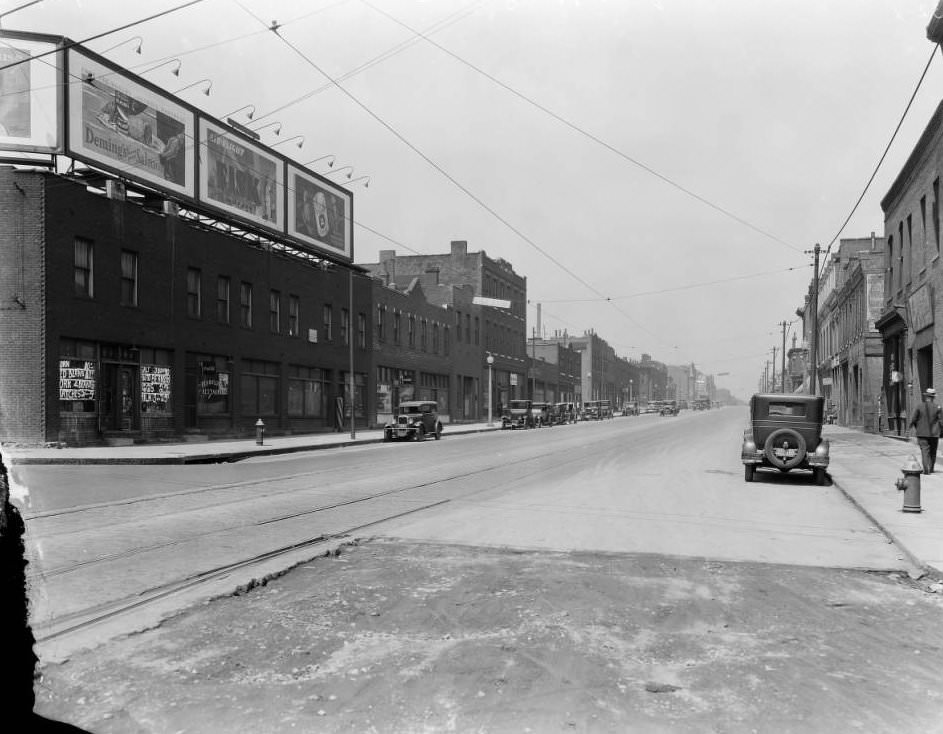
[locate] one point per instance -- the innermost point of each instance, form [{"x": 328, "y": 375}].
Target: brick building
[
  {"x": 557, "y": 371},
  {"x": 913, "y": 277},
  {"x": 124, "y": 321},
  {"x": 484, "y": 329}
]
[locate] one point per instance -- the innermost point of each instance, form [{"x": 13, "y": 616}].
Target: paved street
[{"x": 612, "y": 493}]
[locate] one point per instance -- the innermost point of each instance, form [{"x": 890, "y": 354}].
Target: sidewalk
[
  {"x": 864, "y": 467},
  {"x": 210, "y": 452}
]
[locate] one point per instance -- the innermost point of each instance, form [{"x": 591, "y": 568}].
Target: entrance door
[
  {"x": 119, "y": 397},
  {"x": 925, "y": 367}
]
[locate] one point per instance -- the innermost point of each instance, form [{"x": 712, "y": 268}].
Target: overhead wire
[
  {"x": 409, "y": 144},
  {"x": 585, "y": 133},
  {"x": 887, "y": 148}
]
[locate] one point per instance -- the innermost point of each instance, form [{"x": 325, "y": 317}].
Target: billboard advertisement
[
  {"x": 118, "y": 123},
  {"x": 240, "y": 177},
  {"x": 29, "y": 96},
  {"x": 319, "y": 214}
]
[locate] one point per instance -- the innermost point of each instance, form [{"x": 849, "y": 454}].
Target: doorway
[
  {"x": 925, "y": 367},
  {"x": 119, "y": 411}
]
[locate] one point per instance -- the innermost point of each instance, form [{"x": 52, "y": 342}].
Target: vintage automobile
[
  {"x": 543, "y": 414},
  {"x": 669, "y": 407},
  {"x": 564, "y": 413},
  {"x": 630, "y": 408},
  {"x": 518, "y": 414},
  {"x": 785, "y": 433},
  {"x": 597, "y": 410},
  {"x": 413, "y": 421}
]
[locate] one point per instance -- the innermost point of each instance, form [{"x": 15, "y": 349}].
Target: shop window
[
  {"x": 275, "y": 312},
  {"x": 78, "y": 377},
  {"x": 245, "y": 305},
  {"x": 222, "y": 299},
  {"x": 258, "y": 388},
  {"x": 83, "y": 268},
  {"x": 213, "y": 384},
  {"x": 129, "y": 278},
  {"x": 360, "y": 392},
  {"x": 294, "y": 315},
  {"x": 306, "y": 391},
  {"x": 194, "y": 293}
]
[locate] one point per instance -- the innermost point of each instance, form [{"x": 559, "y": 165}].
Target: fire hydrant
[
  {"x": 260, "y": 431},
  {"x": 910, "y": 485}
]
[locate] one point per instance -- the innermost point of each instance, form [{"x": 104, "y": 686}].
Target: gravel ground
[{"x": 394, "y": 636}]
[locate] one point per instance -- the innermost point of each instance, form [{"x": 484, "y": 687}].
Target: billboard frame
[
  {"x": 293, "y": 228},
  {"x": 50, "y": 95},
  {"x": 76, "y": 122},
  {"x": 204, "y": 125}
]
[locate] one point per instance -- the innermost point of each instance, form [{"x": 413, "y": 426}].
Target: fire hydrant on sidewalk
[
  {"x": 910, "y": 485},
  {"x": 259, "y": 431}
]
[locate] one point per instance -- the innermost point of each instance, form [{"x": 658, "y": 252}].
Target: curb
[
  {"x": 911, "y": 558},
  {"x": 211, "y": 457}
]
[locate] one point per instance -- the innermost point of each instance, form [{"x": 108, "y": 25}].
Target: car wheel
[
  {"x": 438, "y": 431},
  {"x": 748, "y": 471},
  {"x": 818, "y": 476},
  {"x": 790, "y": 437}
]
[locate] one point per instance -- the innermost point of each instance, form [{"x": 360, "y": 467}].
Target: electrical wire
[
  {"x": 883, "y": 155},
  {"x": 681, "y": 287},
  {"x": 585, "y": 133},
  {"x": 494, "y": 213},
  {"x": 100, "y": 35}
]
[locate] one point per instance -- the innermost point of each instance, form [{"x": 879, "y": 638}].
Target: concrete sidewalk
[
  {"x": 210, "y": 452},
  {"x": 864, "y": 467}
]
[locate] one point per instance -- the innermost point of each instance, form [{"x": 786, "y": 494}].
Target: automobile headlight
[
  {"x": 749, "y": 447},
  {"x": 822, "y": 449}
]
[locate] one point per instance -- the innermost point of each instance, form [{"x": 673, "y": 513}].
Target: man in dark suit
[{"x": 926, "y": 422}]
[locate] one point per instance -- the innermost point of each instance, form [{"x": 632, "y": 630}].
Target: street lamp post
[{"x": 490, "y": 360}]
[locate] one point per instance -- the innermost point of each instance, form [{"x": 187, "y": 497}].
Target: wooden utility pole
[
  {"x": 814, "y": 341},
  {"x": 782, "y": 372},
  {"x": 772, "y": 387}
]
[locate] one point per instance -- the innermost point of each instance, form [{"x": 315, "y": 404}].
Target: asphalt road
[{"x": 607, "y": 493}]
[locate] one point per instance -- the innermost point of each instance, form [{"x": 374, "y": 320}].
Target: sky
[{"x": 657, "y": 169}]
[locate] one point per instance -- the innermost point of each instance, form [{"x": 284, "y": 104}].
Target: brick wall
[{"x": 22, "y": 308}]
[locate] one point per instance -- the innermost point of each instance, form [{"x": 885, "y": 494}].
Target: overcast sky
[{"x": 624, "y": 156}]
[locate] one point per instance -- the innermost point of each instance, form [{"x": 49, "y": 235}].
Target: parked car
[
  {"x": 518, "y": 414},
  {"x": 630, "y": 408},
  {"x": 564, "y": 413},
  {"x": 669, "y": 407},
  {"x": 413, "y": 421},
  {"x": 543, "y": 414},
  {"x": 596, "y": 410},
  {"x": 785, "y": 433}
]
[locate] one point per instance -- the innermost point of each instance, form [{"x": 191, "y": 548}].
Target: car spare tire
[{"x": 792, "y": 440}]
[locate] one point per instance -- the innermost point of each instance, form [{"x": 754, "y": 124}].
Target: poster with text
[
  {"x": 29, "y": 96},
  {"x": 129, "y": 128},
  {"x": 319, "y": 214},
  {"x": 241, "y": 178}
]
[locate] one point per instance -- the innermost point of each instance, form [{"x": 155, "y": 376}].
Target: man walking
[{"x": 926, "y": 422}]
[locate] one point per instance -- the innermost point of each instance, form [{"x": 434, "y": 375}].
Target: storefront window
[
  {"x": 213, "y": 388},
  {"x": 360, "y": 393},
  {"x": 305, "y": 392},
  {"x": 258, "y": 387},
  {"x": 78, "y": 377}
]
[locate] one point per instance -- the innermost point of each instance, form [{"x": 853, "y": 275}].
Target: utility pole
[
  {"x": 813, "y": 347},
  {"x": 773, "y": 380},
  {"x": 766, "y": 377},
  {"x": 782, "y": 372}
]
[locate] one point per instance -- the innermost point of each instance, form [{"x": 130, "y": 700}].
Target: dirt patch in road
[{"x": 403, "y": 637}]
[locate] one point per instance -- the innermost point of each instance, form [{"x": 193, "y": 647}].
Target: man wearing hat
[{"x": 926, "y": 422}]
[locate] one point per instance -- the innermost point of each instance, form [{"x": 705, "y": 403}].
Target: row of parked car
[{"x": 531, "y": 414}]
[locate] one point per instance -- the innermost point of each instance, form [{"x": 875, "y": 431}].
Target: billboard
[
  {"x": 30, "y": 97},
  {"x": 240, "y": 177},
  {"x": 319, "y": 214},
  {"x": 117, "y": 122}
]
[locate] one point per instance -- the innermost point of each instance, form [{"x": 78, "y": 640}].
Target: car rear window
[{"x": 787, "y": 409}]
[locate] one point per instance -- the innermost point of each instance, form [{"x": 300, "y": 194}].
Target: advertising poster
[
  {"x": 120, "y": 124},
  {"x": 319, "y": 214},
  {"x": 241, "y": 178},
  {"x": 76, "y": 379},
  {"x": 29, "y": 96}
]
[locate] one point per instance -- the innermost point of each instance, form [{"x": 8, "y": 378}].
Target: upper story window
[
  {"x": 327, "y": 320},
  {"x": 381, "y": 312},
  {"x": 411, "y": 331},
  {"x": 129, "y": 278},
  {"x": 275, "y": 312},
  {"x": 83, "y": 268},
  {"x": 194, "y": 293},
  {"x": 222, "y": 299},
  {"x": 294, "y": 315},
  {"x": 245, "y": 305},
  {"x": 362, "y": 330},
  {"x": 345, "y": 326},
  {"x": 397, "y": 327}
]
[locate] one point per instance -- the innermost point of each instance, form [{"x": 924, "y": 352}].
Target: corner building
[{"x": 124, "y": 322}]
